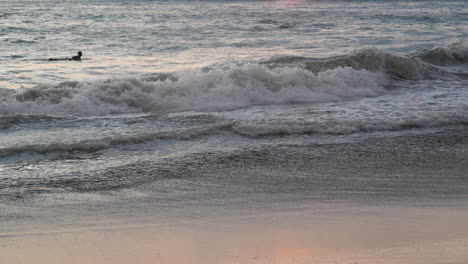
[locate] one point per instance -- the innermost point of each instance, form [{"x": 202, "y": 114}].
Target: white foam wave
[{"x": 216, "y": 90}]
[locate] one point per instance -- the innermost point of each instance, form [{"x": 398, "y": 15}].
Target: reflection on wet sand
[{"x": 364, "y": 234}]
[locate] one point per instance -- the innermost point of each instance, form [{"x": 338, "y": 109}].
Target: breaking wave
[
  {"x": 422, "y": 65},
  {"x": 369, "y": 59},
  {"x": 450, "y": 55},
  {"x": 215, "y": 90},
  {"x": 279, "y": 80}
]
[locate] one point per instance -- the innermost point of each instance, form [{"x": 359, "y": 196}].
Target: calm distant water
[{"x": 169, "y": 85}]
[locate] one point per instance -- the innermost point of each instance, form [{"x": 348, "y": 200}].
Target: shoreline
[{"x": 380, "y": 200}]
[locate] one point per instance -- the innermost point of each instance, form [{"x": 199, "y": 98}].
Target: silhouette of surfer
[{"x": 74, "y": 58}]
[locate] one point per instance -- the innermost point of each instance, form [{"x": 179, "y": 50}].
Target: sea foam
[{"x": 215, "y": 90}]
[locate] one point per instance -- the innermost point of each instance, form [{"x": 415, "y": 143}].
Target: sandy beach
[{"x": 407, "y": 208}]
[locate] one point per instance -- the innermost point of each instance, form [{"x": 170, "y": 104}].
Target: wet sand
[
  {"x": 395, "y": 200},
  {"x": 330, "y": 234}
]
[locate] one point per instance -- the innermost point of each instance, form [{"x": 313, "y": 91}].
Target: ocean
[{"x": 210, "y": 105}]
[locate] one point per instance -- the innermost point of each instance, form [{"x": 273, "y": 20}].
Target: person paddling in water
[
  {"x": 74, "y": 58},
  {"x": 77, "y": 57}
]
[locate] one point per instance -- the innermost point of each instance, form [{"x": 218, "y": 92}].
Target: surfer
[
  {"x": 74, "y": 58},
  {"x": 77, "y": 57}
]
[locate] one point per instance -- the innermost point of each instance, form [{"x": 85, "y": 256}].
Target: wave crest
[
  {"x": 450, "y": 55},
  {"x": 215, "y": 90},
  {"x": 423, "y": 65},
  {"x": 374, "y": 60}
]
